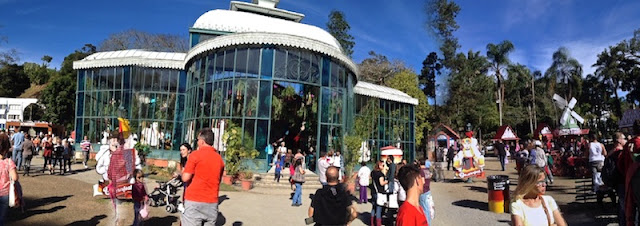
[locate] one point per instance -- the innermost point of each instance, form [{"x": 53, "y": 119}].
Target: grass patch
[
  {"x": 159, "y": 173},
  {"x": 225, "y": 187}
]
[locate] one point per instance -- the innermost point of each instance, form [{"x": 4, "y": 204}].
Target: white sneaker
[{"x": 85, "y": 166}]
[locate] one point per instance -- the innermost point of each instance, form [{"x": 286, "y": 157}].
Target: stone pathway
[{"x": 67, "y": 200}]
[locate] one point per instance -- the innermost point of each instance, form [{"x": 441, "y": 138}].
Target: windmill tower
[{"x": 569, "y": 119}]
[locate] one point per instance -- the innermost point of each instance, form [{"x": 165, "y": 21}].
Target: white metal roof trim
[
  {"x": 273, "y": 39},
  {"x": 383, "y": 92},
  {"x": 136, "y": 57},
  {"x": 237, "y": 22}
]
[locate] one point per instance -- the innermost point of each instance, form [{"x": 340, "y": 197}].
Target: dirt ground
[{"x": 67, "y": 200}]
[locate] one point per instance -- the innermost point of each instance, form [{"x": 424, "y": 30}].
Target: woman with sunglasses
[{"x": 530, "y": 206}]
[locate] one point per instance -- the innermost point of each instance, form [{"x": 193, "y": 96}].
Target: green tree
[
  {"x": 59, "y": 95},
  {"x": 430, "y": 68},
  {"x": 136, "y": 39},
  {"x": 13, "y": 80},
  {"x": 519, "y": 112},
  {"x": 33, "y": 112},
  {"x": 378, "y": 69},
  {"x": 499, "y": 57},
  {"x": 407, "y": 82},
  {"x": 39, "y": 74},
  {"x": 339, "y": 28},
  {"x": 566, "y": 71},
  {"x": 59, "y": 99},
  {"x": 470, "y": 94},
  {"x": 441, "y": 22}
]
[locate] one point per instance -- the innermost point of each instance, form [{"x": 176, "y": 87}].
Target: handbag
[
  {"x": 381, "y": 198},
  {"x": 15, "y": 191},
  {"x": 144, "y": 211}
]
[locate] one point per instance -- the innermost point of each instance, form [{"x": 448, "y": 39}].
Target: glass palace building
[{"x": 253, "y": 68}]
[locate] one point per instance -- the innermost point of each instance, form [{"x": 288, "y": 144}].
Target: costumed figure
[
  {"x": 116, "y": 162},
  {"x": 469, "y": 162}
]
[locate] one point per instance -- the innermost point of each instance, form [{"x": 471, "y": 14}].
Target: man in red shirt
[
  {"x": 203, "y": 172},
  {"x": 411, "y": 213}
]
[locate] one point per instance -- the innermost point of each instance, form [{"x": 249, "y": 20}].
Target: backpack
[{"x": 610, "y": 174}]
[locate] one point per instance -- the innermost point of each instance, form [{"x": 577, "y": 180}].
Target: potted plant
[
  {"x": 238, "y": 150},
  {"x": 247, "y": 180},
  {"x": 143, "y": 151}
]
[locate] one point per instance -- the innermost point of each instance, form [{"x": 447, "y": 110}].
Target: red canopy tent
[
  {"x": 505, "y": 132},
  {"x": 543, "y": 130}
]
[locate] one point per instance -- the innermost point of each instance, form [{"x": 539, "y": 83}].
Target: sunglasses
[{"x": 541, "y": 183}]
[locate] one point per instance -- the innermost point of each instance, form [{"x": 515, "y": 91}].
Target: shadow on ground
[
  {"x": 167, "y": 220},
  {"x": 472, "y": 204},
  {"x": 477, "y": 188},
  {"x": 31, "y": 205},
  {"x": 93, "y": 221}
]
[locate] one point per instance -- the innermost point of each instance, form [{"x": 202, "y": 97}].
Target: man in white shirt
[
  {"x": 323, "y": 164},
  {"x": 363, "y": 179}
]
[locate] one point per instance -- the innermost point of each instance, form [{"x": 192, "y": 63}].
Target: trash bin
[{"x": 498, "y": 193}]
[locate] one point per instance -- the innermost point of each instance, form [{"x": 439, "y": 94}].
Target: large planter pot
[
  {"x": 227, "y": 179},
  {"x": 247, "y": 184}
]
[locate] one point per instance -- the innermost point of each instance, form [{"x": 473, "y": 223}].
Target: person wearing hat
[{"x": 538, "y": 157}]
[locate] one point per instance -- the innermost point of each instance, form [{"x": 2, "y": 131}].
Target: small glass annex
[
  {"x": 252, "y": 68},
  {"x": 151, "y": 98}
]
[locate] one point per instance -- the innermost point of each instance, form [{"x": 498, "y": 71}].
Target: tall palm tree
[
  {"x": 566, "y": 69},
  {"x": 499, "y": 57}
]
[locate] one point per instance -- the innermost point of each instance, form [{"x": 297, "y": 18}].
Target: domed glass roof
[{"x": 240, "y": 22}]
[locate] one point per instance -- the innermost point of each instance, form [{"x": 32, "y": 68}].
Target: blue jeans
[
  {"x": 137, "y": 220},
  {"x": 424, "y": 203},
  {"x": 16, "y": 156},
  {"x": 297, "y": 196},
  {"x": 4, "y": 207},
  {"x": 269, "y": 161},
  {"x": 376, "y": 211}
]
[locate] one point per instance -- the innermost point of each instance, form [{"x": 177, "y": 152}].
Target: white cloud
[{"x": 520, "y": 11}]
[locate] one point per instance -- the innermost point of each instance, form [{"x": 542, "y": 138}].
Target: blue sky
[{"x": 393, "y": 28}]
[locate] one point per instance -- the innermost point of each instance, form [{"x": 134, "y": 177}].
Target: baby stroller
[{"x": 165, "y": 194}]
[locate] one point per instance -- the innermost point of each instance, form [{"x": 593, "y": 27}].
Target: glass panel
[
  {"x": 210, "y": 67},
  {"x": 219, "y": 69},
  {"x": 80, "y": 101},
  {"x": 238, "y": 102},
  {"x": 241, "y": 62},
  {"x": 266, "y": 68},
  {"x": 118, "y": 78},
  {"x": 265, "y": 99},
  {"x": 207, "y": 99},
  {"x": 253, "y": 63},
  {"x": 341, "y": 77},
  {"x": 80, "y": 84},
  {"x": 228, "y": 63},
  {"x": 314, "y": 70},
  {"x": 326, "y": 99},
  {"x": 249, "y": 126},
  {"x": 251, "y": 98},
  {"x": 326, "y": 71},
  {"x": 183, "y": 81},
  {"x": 96, "y": 79},
  {"x": 216, "y": 98},
  {"x": 305, "y": 66},
  {"x": 293, "y": 65},
  {"x": 261, "y": 137},
  {"x": 280, "y": 64},
  {"x": 324, "y": 138},
  {"x": 229, "y": 95},
  {"x": 126, "y": 78},
  {"x": 334, "y": 74}
]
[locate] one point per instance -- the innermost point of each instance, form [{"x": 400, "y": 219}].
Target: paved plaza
[{"x": 67, "y": 200}]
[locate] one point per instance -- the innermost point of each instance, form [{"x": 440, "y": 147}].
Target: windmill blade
[
  {"x": 559, "y": 101},
  {"x": 577, "y": 117},
  {"x": 564, "y": 119},
  {"x": 572, "y": 103}
]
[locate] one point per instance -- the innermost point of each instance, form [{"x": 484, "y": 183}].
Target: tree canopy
[
  {"x": 136, "y": 39},
  {"x": 339, "y": 28}
]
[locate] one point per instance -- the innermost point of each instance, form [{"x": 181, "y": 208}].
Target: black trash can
[{"x": 498, "y": 189}]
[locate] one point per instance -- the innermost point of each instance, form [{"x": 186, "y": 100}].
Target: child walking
[
  {"x": 279, "y": 163},
  {"x": 139, "y": 195}
]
